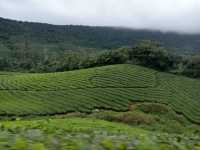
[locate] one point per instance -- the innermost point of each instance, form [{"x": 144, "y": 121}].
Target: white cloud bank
[{"x": 164, "y": 15}]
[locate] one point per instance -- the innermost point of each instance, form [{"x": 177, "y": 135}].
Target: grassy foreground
[
  {"x": 87, "y": 134},
  {"x": 113, "y": 87}
]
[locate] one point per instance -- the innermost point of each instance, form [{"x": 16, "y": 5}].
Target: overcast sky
[{"x": 165, "y": 15}]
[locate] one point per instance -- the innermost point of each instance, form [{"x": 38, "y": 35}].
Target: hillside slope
[
  {"x": 16, "y": 35},
  {"x": 113, "y": 87}
]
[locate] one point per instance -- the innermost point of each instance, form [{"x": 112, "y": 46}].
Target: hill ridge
[{"x": 55, "y": 37}]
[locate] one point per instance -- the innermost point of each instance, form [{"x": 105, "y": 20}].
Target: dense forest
[
  {"x": 36, "y": 47},
  {"x": 17, "y": 35}
]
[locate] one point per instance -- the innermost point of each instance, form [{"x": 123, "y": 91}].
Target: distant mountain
[{"x": 16, "y": 35}]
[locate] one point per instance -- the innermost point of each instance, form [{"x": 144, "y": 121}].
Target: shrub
[
  {"x": 20, "y": 144},
  {"x": 153, "y": 108},
  {"x": 135, "y": 118},
  {"x": 38, "y": 146}
]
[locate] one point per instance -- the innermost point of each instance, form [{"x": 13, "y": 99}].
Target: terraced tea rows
[
  {"x": 90, "y": 78},
  {"x": 112, "y": 87}
]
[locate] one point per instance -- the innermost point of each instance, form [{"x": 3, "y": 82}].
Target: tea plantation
[{"x": 114, "y": 87}]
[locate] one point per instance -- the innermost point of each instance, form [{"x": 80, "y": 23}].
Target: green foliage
[
  {"x": 121, "y": 146},
  {"x": 135, "y": 118},
  {"x": 86, "y": 134},
  {"x": 35, "y": 47},
  {"x": 40, "y": 37},
  {"x": 107, "y": 144},
  {"x": 154, "y": 120},
  {"x": 38, "y": 146},
  {"x": 192, "y": 67},
  {"x": 20, "y": 144},
  {"x": 151, "y": 54},
  {"x": 153, "y": 108},
  {"x": 112, "y": 88},
  {"x": 147, "y": 145}
]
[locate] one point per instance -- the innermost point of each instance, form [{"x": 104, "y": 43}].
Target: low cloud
[{"x": 164, "y": 15}]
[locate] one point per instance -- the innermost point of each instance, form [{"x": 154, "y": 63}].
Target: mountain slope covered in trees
[
  {"x": 16, "y": 36},
  {"x": 36, "y": 47}
]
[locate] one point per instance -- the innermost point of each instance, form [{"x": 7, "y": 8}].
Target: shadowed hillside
[{"x": 15, "y": 35}]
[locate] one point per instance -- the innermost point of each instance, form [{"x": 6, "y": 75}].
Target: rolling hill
[
  {"x": 37, "y": 37},
  {"x": 113, "y": 87}
]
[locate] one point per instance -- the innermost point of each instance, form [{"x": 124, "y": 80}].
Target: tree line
[{"x": 146, "y": 53}]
